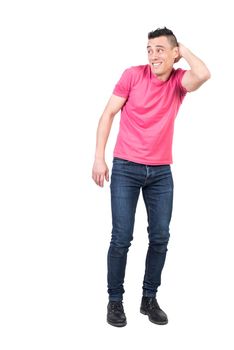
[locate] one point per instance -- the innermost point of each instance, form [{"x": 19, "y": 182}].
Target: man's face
[{"x": 161, "y": 56}]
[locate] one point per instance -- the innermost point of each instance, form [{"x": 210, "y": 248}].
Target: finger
[
  {"x": 98, "y": 179},
  {"x": 107, "y": 176},
  {"x": 101, "y": 180},
  {"x": 94, "y": 177}
]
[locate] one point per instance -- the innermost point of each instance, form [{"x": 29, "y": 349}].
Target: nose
[{"x": 155, "y": 55}]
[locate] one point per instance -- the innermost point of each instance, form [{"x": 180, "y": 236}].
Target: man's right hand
[{"x": 100, "y": 171}]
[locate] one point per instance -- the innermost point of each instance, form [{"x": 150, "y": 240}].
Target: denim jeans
[{"x": 156, "y": 183}]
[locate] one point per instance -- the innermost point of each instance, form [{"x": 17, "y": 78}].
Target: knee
[
  {"x": 159, "y": 242},
  {"x": 121, "y": 239},
  {"x": 118, "y": 251},
  {"x": 120, "y": 243},
  {"x": 158, "y": 248}
]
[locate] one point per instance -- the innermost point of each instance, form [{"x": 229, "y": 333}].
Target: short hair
[{"x": 164, "y": 32}]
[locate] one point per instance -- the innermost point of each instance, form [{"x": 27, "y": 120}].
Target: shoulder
[{"x": 133, "y": 75}]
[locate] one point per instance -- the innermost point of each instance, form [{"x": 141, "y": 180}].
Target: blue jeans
[{"x": 156, "y": 182}]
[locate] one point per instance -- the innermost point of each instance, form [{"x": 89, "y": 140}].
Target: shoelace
[{"x": 117, "y": 306}]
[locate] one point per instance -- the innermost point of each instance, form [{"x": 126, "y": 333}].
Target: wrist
[
  {"x": 185, "y": 52},
  {"x": 99, "y": 157}
]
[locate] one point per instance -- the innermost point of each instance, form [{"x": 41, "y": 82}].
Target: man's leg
[
  {"x": 158, "y": 198},
  {"x": 125, "y": 191},
  {"x": 124, "y": 196}
]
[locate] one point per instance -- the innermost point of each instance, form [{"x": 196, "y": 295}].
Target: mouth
[{"x": 156, "y": 64}]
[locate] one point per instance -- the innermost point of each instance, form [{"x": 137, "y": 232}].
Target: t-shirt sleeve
[
  {"x": 123, "y": 87},
  {"x": 179, "y": 75}
]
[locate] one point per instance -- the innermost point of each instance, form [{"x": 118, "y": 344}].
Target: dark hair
[{"x": 164, "y": 32}]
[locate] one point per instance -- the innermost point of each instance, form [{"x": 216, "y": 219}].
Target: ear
[{"x": 176, "y": 54}]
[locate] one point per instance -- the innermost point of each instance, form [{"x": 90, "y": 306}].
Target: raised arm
[
  {"x": 198, "y": 74},
  {"x": 100, "y": 169}
]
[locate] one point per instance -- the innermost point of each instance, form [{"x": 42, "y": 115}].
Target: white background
[{"x": 59, "y": 62}]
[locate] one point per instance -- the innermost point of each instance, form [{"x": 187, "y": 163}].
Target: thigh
[
  {"x": 158, "y": 198},
  {"x": 125, "y": 191}
]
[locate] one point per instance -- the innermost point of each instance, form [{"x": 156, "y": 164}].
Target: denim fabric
[{"x": 156, "y": 183}]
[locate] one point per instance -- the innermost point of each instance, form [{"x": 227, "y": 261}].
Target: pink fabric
[{"x": 147, "y": 118}]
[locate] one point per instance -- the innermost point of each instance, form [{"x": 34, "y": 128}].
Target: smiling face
[{"x": 161, "y": 56}]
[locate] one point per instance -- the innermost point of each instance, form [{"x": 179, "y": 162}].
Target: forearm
[{"x": 103, "y": 131}]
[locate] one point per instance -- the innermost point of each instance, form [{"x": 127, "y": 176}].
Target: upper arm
[
  {"x": 192, "y": 82},
  {"x": 114, "y": 105}
]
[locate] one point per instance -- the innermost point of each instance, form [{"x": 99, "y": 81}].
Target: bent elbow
[{"x": 206, "y": 75}]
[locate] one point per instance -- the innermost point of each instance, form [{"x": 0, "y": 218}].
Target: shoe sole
[
  {"x": 159, "y": 323},
  {"x": 117, "y": 324}
]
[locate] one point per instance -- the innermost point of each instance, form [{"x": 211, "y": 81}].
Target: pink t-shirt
[{"x": 147, "y": 118}]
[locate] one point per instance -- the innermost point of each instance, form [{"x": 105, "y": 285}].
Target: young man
[{"x": 149, "y": 97}]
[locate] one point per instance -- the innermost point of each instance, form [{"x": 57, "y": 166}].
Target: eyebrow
[{"x": 156, "y": 46}]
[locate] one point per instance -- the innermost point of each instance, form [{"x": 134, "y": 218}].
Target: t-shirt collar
[{"x": 155, "y": 79}]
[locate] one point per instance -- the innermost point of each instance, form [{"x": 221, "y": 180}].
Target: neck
[{"x": 164, "y": 77}]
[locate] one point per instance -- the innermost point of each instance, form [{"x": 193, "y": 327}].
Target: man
[{"x": 149, "y": 97}]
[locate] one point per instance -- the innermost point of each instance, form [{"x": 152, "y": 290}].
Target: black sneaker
[
  {"x": 150, "y": 307},
  {"x": 115, "y": 314}
]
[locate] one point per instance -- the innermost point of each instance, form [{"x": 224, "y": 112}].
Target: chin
[{"x": 158, "y": 73}]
